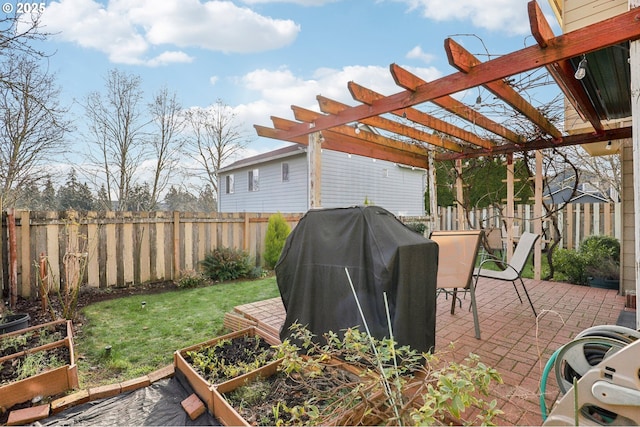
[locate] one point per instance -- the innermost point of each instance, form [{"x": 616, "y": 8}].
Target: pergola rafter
[
  {"x": 450, "y": 141},
  {"x": 562, "y": 71}
]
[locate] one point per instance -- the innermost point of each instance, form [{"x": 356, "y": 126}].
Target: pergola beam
[
  {"x": 562, "y": 71},
  {"x": 368, "y": 96},
  {"x": 334, "y": 107},
  {"x": 541, "y": 144},
  {"x": 343, "y": 142},
  {"x": 464, "y": 61},
  {"x": 618, "y": 29},
  {"x": 410, "y": 81}
]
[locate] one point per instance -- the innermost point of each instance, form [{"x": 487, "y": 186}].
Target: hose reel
[{"x": 610, "y": 392}]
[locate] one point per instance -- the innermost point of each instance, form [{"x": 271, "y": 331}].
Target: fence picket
[{"x": 130, "y": 248}]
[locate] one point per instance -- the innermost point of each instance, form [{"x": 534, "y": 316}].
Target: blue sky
[{"x": 262, "y": 56}]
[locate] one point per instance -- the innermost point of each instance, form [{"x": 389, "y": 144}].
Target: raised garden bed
[
  {"x": 42, "y": 363},
  {"x": 211, "y": 364},
  {"x": 273, "y": 394}
]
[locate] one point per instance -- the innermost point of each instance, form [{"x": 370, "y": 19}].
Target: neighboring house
[
  {"x": 278, "y": 181},
  {"x": 559, "y": 189}
]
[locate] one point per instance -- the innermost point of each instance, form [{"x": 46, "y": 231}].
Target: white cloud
[
  {"x": 169, "y": 57},
  {"x": 300, "y": 2},
  {"x": 509, "y": 16},
  {"x": 418, "y": 53},
  {"x": 127, "y": 30},
  {"x": 213, "y": 80},
  {"x": 277, "y": 90}
]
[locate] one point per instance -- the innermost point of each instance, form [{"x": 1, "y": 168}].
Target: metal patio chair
[
  {"x": 457, "y": 253},
  {"x": 512, "y": 270}
]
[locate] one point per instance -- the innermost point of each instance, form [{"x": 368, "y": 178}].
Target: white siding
[
  {"x": 349, "y": 180},
  {"x": 346, "y": 181},
  {"x": 273, "y": 194}
]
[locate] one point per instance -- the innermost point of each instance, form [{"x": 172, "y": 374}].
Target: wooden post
[
  {"x": 13, "y": 258},
  {"x": 433, "y": 195},
  {"x": 315, "y": 170},
  {"x": 459, "y": 196},
  {"x": 245, "y": 232},
  {"x": 175, "y": 272},
  {"x": 634, "y": 61},
  {"x": 509, "y": 208},
  {"x": 537, "y": 215}
]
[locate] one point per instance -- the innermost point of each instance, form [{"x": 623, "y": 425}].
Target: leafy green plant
[
  {"x": 598, "y": 256},
  {"x": 226, "y": 264},
  {"x": 191, "y": 279},
  {"x": 392, "y": 380},
  {"x": 277, "y": 231},
  {"x": 418, "y": 227},
  {"x": 229, "y": 358}
]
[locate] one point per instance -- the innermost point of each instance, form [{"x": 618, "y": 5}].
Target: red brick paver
[{"x": 513, "y": 341}]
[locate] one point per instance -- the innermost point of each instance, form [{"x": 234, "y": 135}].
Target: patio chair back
[
  {"x": 457, "y": 253},
  {"x": 523, "y": 249}
]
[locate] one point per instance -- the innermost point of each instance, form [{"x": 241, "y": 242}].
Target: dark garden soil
[
  {"x": 46, "y": 359},
  {"x": 231, "y": 358},
  {"x": 256, "y": 401},
  {"x": 35, "y": 338}
]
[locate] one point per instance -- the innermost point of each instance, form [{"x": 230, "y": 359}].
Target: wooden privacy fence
[
  {"x": 576, "y": 221},
  {"x": 126, "y": 248}
]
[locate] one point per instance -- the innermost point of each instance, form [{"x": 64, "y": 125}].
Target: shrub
[
  {"x": 571, "y": 264},
  {"x": 226, "y": 264},
  {"x": 598, "y": 256},
  {"x": 418, "y": 227},
  {"x": 191, "y": 279},
  {"x": 277, "y": 232}
]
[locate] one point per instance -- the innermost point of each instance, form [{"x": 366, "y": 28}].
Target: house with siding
[{"x": 278, "y": 181}]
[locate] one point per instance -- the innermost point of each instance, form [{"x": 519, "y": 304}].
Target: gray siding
[
  {"x": 273, "y": 194},
  {"x": 348, "y": 180}
]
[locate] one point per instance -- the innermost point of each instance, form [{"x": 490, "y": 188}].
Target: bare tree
[
  {"x": 116, "y": 129},
  {"x": 167, "y": 117},
  {"x": 32, "y": 125},
  {"x": 32, "y": 129},
  {"x": 216, "y": 138},
  {"x": 17, "y": 32}
]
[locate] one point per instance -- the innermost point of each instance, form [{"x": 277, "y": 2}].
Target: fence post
[
  {"x": 25, "y": 253},
  {"x": 176, "y": 246},
  {"x": 245, "y": 232}
]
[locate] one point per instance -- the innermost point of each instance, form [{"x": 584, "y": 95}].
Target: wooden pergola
[{"x": 413, "y": 137}]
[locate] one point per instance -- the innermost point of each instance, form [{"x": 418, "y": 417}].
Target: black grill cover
[{"x": 381, "y": 254}]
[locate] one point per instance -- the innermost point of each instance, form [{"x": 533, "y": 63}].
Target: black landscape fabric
[{"x": 381, "y": 254}]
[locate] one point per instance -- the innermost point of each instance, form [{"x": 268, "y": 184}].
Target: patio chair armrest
[{"x": 498, "y": 262}]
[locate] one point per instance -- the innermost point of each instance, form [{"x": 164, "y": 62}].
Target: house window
[
  {"x": 285, "y": 172},
  {"x": 229, "y": 182},
  {"x": 253, "y": 180}
]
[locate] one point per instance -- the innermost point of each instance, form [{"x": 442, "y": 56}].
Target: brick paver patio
[{"x": 512, "y": 341}]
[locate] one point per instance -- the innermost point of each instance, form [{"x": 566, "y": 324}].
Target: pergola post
[
  {"x": 634, "y": 60},
  {"x": 509, "y": 209},
  {"x": 314, "y": 157},
  {"x": 434, "y": 219},
  {"x": 460, "y": 195},
  {"x": 537, "y": 217}
]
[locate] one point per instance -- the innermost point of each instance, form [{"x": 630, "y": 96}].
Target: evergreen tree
[
  {"x": 48, "y": 200},
  {"x": 74, "y": 195},
  {"x": 180, "y": 200},
  {"x": 207, "y": 200},
  {"x": 140, "y": 198}
]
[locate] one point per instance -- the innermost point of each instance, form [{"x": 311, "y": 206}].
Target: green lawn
[{"x": 144, "y": 339}]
